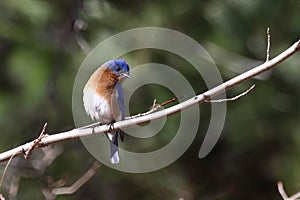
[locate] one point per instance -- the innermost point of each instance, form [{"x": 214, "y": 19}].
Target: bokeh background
[{"x": 42, "y": 44}]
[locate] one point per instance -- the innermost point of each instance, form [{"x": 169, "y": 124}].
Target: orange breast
[
  {"x": 103, "y": 81},
  {"x": 100, "y": 96}
]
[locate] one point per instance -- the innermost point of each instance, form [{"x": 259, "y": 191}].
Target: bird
[{"x": 103, "y": 99}]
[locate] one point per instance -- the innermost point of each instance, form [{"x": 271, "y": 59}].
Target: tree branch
[
  {"x": 268, "y": 44},
  {"x": 284, "y": 195},
  {"x": 83, "y": 132},
  {"x": 35, "y": 142},
  {"x": 232, "y": 98},
  {"x": 51, "y": 193}
]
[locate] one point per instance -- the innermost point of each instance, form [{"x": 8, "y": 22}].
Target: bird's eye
[{"x": 118, "y": 68}]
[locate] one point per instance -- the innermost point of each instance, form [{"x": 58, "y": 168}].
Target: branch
[
  {"x": 35, "y": 142},
  {"x": 52, "y": 193},
  {"x": 80, "y": 182},
  {"x": 154, "y": 108},
  {"x": 268, "y": 44},
  {"x": 232, "y": 98},
  {"x": 284, "y": 195},
  {"x": 281, "y": 191},
  {"x": 83, "y": 132}
]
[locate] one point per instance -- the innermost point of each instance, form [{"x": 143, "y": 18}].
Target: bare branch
[
  {"x": 284, "y": 195},
  {"x": 281, "y": 191},
  {"x": 80, "y": 182},
  {"x": 231, "y": 99},
  {"x": 84, "y": 132},
  {"x": 268, "y": 44},
  {"x": 35, "y": 142},
  {"x": 295, "y": 196},
  {"x": 5, "y": 169},
  {"x": 154, "y": 108},
  {"x": 52, "y": 193}
]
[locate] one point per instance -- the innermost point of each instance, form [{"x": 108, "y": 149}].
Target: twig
[
  {"x": 284, "y": 195},
  {"x": 35, "y": 142},
  {"x": 5, "y": 169},
  {"x": 77, "y": 184},
  {"x": 281, "y": 191},
  {"x": 268, "y": 44},
  {"x": 154, "y": 108},
  {"x": 231, "y": 99},
  {"x": 76, "y": 133},
  {"x": 169, "y": 101},
  {"x": 295, "y": 196},
  {"x": 153, "y": 105}
]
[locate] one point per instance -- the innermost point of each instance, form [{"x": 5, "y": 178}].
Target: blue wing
[
  {"x": 114, "y": 157},
  {"x": 121, "y": 107}
]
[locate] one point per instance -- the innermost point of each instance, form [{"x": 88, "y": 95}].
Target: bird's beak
[{"x": 126, "y": 75}]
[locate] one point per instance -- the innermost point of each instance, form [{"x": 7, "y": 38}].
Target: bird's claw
[{"x": 111, "y": 126}]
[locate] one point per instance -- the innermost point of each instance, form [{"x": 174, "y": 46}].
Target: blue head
[{"x": 119, "y": 67}]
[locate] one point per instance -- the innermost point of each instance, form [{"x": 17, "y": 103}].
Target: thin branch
[
  {"x": 281, "y": 191},
  {"x": 295, "y": 196},
  {"x": 83, "y": 132},
  {"x": 51, "y": 193},
  {"x": 5, "y": 169},
  {"x": 170, "y": 101},
  {"x": 154, "y": 108},
  {"x": 35, "y": 142},
  {"x": 55, "y": 188},
  {"x": 80, "y": 182},
  {"x": 232, "y": 98},
  {"x": 268, "y": 44},
  {"x": 284, "y": 195}
]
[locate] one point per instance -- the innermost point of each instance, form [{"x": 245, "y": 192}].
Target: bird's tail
[{"x": 114, "y": 150}]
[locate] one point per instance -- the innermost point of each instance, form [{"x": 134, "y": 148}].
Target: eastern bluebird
[{"x": 104, "y": 101}]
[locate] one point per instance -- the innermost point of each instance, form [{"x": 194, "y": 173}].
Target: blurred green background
[{"x": 42, "y": 44}]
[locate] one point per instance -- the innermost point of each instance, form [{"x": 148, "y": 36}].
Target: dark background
[{"x": 40, "y": 54}]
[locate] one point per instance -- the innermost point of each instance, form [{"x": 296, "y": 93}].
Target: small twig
[
  {"x": 284, "y": 195},
  {"x": 153, "y": 105},
  {"x": 35, "y": 142},
  {"x": 268, "y": 44},
  {"x": 170, "y": 101},
  {"x": 154, "y": 108},
  {"x": 80, "y": 182},
  {"x": 5, "y": 169},
  {"x": 281, "y": 191},
  {"x": 231, "y": 99},
  {"x": 295, "y": 196}
]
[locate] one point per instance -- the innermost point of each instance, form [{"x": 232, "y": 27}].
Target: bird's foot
[{"x": 111, "y": 126}]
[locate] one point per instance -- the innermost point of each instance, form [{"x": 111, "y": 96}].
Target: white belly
[{"x": 96, "y": 106}]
